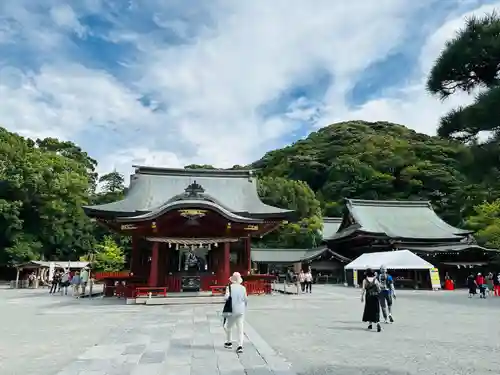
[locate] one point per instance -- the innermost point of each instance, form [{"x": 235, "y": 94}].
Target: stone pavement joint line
[{"x": 179, "y": 341}]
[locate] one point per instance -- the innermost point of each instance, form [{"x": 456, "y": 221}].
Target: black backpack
[{"x": 372, "y": 288}]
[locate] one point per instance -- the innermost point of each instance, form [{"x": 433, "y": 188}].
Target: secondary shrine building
[{"x": 190, "y": 228}]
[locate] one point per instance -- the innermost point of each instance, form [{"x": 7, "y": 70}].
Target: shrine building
[
  {"x": 372, "y": 226},
  {"x": 190, "y": 228}
]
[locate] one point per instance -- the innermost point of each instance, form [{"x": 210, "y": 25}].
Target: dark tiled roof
[
  {"x": 330, "y": 226},
  {"x": 291, "y": 255},
  {"x": 449, "y": 248},
  {"x": 398, "y": 219},
  {"x": 152, "y": 190}
]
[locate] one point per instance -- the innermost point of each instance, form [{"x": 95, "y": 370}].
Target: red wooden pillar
[
  {"x": 248, "y": 255},
  {"x": 225, "y": 266},
  {"x": 153, "y": 272},
  {"x": 135, "y": 256}
]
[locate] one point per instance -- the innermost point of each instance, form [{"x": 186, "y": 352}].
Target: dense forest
[{"x": 45, "y": 182}]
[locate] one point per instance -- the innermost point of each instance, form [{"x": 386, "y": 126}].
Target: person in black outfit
[
  {"x": 370, "y": 295},
  {"x": 56, "y": 280}
]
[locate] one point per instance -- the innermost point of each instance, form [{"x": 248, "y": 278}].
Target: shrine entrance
[{"x": 190, "y": 228}]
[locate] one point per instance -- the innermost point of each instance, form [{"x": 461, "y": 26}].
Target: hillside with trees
[{"x": 45, "y": 182}]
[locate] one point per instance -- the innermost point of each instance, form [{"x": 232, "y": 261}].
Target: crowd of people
[
  {"x": 488, "y": 285},
  {"x": 377, "y": 293},
  {"x": 64, "y": 279}
]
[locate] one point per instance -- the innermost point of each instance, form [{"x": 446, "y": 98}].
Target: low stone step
[{"x": 180, "y": 300}]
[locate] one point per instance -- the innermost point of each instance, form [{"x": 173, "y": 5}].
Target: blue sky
[{"x": 170, "y": 83}]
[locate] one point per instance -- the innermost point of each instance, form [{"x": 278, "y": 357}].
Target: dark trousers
[
  {"x": 303, "y": 286},
  {"x": 308, "y": 286},
  {"x": 53, "y": 287}
]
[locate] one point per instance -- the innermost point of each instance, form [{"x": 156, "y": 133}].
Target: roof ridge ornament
[{"x": 194, "y": 190}]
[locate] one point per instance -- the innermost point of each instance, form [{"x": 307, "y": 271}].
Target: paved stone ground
[
  {"x": 54, "y": 335},
  {"x": 441, "y": 333}
]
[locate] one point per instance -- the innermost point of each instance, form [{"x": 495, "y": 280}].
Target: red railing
[
  {"x": 257, "y": 287},
  {"x": 112, "y": 275}
]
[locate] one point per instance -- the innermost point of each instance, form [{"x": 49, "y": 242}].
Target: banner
[
  {"x": 355, "y": 278},
  {"x": 435, "y": 281}
]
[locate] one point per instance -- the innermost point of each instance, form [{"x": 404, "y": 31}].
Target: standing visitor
[
  {"x": 308, "y": 280},
  {"x": 371, "y": 289},
  {"x": 56, "y": 279},
  {"x": 236, "y": 318},
  {"x": 75, "y": 282},
  {"x": 65, "y": 279},
  {"x": 496, "y": 283},
  {"x": 387, "y": 293},
  {"x": 481, "y": 283},
  {"x": 490, "y": 284},
  {"x": 84, "y": 279},
  {"x": 471, "y": 284},
  {"x": 302, "y": 280},
  {"x": 31, "y": 280}
]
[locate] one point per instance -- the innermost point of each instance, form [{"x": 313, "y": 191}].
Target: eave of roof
[
  {"x": 151, "y": 189},
  {"x": 189, "y": 204},
  {"x": 397, "y": 220},
  {"x": 330, "y": 226},
  {"x": 260, "y": 255},
  {"x": 449, "y": 248}
]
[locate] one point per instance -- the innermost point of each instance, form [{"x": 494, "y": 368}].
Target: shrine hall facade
[{"x": 190, "y": 228}]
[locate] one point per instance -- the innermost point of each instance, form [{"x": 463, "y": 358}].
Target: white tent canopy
[{"x": 392, "y": 260}]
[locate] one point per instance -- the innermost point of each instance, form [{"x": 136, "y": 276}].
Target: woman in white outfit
[{"x": 236, "y": 318}]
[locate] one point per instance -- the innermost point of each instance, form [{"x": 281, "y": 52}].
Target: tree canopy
[
  {"x": 45, "y": 183},
  {"x": 469, "y": 62}
]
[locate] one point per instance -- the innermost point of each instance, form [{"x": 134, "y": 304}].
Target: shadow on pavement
[{"x": 345, "y": 370}]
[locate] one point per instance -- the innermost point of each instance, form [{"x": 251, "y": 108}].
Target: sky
[{"x": 175, "y": 82}]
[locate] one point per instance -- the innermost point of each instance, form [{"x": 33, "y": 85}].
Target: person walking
[
  {"x": 302, "y": 280},
  {"x": 471, "y": 284},
  {"x": 236, "y": 318},
  {"x": 481, "y": 283},
  {"x": 308, "y": 280},
  {"x": 75, "y": 282},
  {"x": 84, "y": 279},
  {"x": 496, "y": 284},
  {"x": 387, "y": 293},
  {"x": 56, "y": 279},
  {"x": 370, "y": 292}
]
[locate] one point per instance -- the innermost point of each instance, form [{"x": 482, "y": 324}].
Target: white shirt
[
  {"x": 308, "y": 277},
  {"x": 238, "y": 297}
]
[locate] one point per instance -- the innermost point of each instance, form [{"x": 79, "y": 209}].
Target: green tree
[
  {"x": 470, "y": 61},
  {"x": 41, "y": 194},
  {"x": 379, "y": 160},
  {"x": 109, "y": 256},
  {"x": 113, "y": 182},
  {"x": 486, "y": 223},
  {"x": 293, "y": 195}
]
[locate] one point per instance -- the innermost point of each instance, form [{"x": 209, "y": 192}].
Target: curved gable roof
[
  {"x": 152, "y": 188},
  {"x": 398, "y": 219}
]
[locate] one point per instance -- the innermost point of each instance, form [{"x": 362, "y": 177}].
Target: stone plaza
[{"x": 441, "y": 333}]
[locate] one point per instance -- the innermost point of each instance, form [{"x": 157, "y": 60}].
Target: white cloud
[
  {"x": 63, "y": 100},
  {"x": 64, "y": 16},
  {"x": 213, "y": 87},
  {"x": 412, "y": 105}
]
